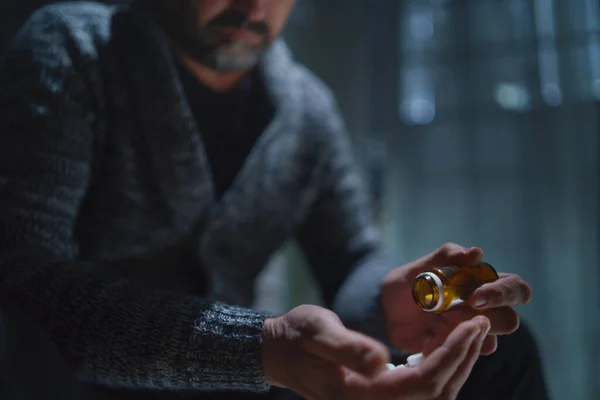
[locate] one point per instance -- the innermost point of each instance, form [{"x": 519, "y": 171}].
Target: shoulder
[
  {"x": 321, "y": 126},
  {"x": 64, "y": 30},
  {"x": 312, "y": 99},
  {"x": 318, "y": 101},
  {"x": 322, "y": 121}
]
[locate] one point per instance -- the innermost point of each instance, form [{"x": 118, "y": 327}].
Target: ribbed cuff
[{"x": 226, "y": 349}]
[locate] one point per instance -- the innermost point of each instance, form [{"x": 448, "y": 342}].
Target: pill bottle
[{"x": 442, "y": 289}]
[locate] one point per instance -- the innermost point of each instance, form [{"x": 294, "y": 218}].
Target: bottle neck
[{"x": 434, "y": 299}]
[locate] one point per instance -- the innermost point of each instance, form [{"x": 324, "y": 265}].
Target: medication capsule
[{"x": 414, "y": 359}]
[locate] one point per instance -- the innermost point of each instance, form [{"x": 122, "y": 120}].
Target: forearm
[
  {"x": 117, "y": 334},
  {"x": 111, "y": 331},
  {"x": 358, "y": 300}
]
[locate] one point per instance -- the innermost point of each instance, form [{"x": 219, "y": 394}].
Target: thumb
[{"x": 350, "y": 349}]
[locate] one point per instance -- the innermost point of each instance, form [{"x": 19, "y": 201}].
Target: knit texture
[{"x": 110, "y": 233}]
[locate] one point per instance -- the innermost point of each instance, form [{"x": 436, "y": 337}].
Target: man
[{"x": 153, "y": 157}]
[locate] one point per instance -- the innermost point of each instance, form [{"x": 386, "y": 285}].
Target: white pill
[{"x": 415, "y": 359}]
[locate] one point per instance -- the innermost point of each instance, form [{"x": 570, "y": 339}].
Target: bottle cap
[
  {"x": 428, "y": 291},
  {"x": 415, "y": 359}
]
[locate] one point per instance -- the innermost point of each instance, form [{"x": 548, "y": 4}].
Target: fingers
[
  {"x": 352, "y": 350},
  {"x": 490, "y": 344},
  {"x": 454, "y": 254},
  {"x": 440, "y": 366},
  {"x": 464, "y": 370},
  {"x": 442, "y": 372},
  {"x": 504, "y": 320},
  {"x": 508, "y": 291}
]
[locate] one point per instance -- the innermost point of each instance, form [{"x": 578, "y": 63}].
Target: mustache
[{"x": 238, "y": 20}]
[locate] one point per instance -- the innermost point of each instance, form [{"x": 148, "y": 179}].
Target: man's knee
[{"x": 521, "y": 346}]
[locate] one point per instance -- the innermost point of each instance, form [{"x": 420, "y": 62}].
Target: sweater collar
[{"x": 166, "y": 121}]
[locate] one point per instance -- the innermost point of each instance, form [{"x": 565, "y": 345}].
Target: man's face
[{"x": 225, "y": 35}]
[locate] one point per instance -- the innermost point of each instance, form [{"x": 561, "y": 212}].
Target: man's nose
[{"x": 255, "y": 10}]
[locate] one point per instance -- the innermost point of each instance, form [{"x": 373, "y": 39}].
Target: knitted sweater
[{"x": 109, "y": 226}]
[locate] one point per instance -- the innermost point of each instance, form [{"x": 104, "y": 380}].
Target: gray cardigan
[{"x": 108, "y": 215}]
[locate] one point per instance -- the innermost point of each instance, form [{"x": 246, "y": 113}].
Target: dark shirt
[{"x": 229, "y": 123}]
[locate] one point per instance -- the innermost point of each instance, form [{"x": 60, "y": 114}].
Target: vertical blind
[{"x": 493, "y": 142}]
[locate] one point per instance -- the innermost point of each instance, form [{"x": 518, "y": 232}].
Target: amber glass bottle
[{"x": 442, "y": 289}]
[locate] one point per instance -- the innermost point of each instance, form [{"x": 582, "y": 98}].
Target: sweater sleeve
[
  {"x": 111, "y": 331},
  {"x": 338, "y": 238}
]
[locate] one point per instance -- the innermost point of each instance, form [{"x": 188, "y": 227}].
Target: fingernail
[
  {"x": 474, "y": 335},
  {"x": 485, "y": 329},
  {"x": 487, "y": 325},
  {"x": 484, "y": 324},
  {"x": 479, "y": 303}
]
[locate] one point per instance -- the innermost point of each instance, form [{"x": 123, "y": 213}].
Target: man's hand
[
  {"x": 310, "y": 352},
  {"x": 415, "y": 330}
]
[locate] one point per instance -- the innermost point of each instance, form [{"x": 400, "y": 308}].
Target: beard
[{"x": 207, "y": 44}]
